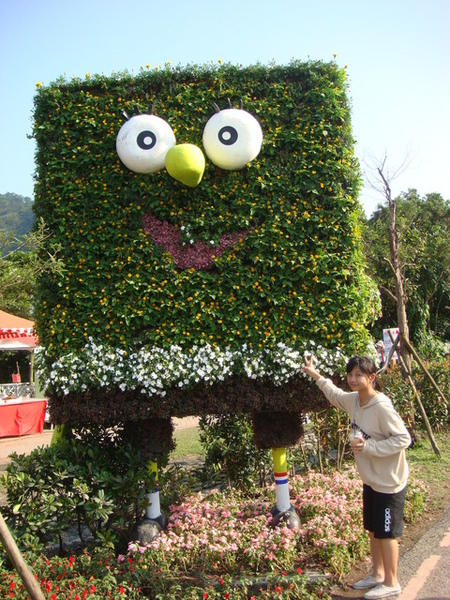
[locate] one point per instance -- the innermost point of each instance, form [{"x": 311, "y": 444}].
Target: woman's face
[{"x": 357, "y": 380}]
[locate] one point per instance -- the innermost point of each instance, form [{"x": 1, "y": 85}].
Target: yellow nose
[{"x": 186, "y": 163}]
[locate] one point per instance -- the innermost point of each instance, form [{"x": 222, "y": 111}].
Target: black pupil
[
  {"x": 228, "y": 135},
  {"x": 146, "y": 140}
]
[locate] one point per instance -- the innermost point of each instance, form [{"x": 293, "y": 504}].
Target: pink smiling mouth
[{"x": 197, "y": 256}]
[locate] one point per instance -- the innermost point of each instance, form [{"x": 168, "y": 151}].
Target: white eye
[
  {"x": 143, "y": 141},
  {"x": 232, "y": 138}
]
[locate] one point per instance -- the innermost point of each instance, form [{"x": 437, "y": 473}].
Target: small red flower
[{"x": 299, "y": 571}]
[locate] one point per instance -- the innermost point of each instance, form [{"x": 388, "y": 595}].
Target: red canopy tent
[
  {"x": 16, "y": 333},
  {"x": 20, "y": 416}
]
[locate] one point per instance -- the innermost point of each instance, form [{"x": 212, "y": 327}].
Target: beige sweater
[{"x": 382, "y": 464}]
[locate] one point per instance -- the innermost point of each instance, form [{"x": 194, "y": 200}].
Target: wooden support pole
[
  {"x": 20, "y": 565},
  {"x": 423, "y": 367},
  {"x": 418, "y": 401}
]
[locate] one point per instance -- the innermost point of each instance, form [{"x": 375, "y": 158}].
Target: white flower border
[{"x": 154, "y": 370}]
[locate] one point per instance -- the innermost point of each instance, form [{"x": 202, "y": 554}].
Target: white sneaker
[
  {"x": 383, "y": 591},
  {"x": 366, "y": 583}
]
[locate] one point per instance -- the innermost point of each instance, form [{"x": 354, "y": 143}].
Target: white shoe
[
  {"x": 366, "y": 583},
  {"x": 383, "y": 591}
]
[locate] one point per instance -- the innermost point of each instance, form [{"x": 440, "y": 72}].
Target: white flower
[{"x": 155, "y": 369}]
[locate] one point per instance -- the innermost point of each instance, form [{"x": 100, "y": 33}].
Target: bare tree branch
[
  {"x": 381, "y": 181},
  {"x": 375, "y": 165},
  {"x": 388, "y": 293}
]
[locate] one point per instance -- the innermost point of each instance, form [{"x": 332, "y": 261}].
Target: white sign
[{"x": 388, "y": 342}]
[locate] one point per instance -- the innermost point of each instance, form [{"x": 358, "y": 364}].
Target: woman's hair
[{"x": 366, "y": 365}]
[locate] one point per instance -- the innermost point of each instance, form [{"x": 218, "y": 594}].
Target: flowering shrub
[
  {"x": 220, "y": 544},
  {"x": 333, "y": 531},
  {"x": 230, "y": 531},
  {"x": 153, "y": 371},
  {"x": 95, "y": 577}
]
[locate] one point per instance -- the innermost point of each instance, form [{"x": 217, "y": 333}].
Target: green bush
[
  {"x": 230, "y": 450},
  {"x": 402, "y": 395},
  {"x": 416, "y": 500},
  {"x": 438, "y": 410},
  {"x": 431, "y": 347},
  {"x": 328, "y": 440},
  {"x": 100, "y": 486}
]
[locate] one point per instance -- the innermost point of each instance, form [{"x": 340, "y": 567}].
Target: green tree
[
  {"x": 16, "y": 214},
  {"x": 22, "y": 260},
  {"x": 423, "y": 227}
]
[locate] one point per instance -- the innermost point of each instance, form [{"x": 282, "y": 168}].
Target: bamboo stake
[
  {"x": 419, "y": 402},
  {"x": 423, "y": 367},
  {"x": 20, "y": 565}
]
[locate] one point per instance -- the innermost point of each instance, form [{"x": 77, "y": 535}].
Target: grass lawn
[
  {"x": 432, "y": 470},
  {"x": 187, "y": 442}
]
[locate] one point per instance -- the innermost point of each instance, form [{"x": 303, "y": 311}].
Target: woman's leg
[
  {"x": 377, "y": 557},
  {"x": 385, "y": 559},
  {"x": 389, "y": 553}
]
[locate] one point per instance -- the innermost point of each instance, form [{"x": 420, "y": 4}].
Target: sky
[{"x": 396, "y": 54}]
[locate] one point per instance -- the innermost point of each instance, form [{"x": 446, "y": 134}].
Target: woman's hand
[
  {"x": 309, "y": 368},
  {"x": 357, "y": 446}
]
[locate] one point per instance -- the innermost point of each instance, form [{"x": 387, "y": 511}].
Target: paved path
[
  {"x": 424, "y": 570},
  {"x": 22, "y": 445}
]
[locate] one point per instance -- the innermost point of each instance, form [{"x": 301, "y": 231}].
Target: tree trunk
[{"x": 402, "y": 318}]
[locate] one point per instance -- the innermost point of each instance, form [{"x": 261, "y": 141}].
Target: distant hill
[{"x": 16, "y": 214}]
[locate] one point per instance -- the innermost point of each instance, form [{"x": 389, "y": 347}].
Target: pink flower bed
[{"x": 229, "y": 532}]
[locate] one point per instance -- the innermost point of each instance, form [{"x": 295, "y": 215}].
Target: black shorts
[{"x": 383, "y": 513}]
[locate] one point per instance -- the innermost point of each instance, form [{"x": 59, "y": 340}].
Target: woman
[{"x": 379, "y": 440}]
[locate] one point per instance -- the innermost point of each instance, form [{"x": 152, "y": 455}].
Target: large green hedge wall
[{"x": 126, "y": 332}]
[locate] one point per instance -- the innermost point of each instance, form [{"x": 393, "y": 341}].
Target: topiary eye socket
[{"x": 232, "y": 138}]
